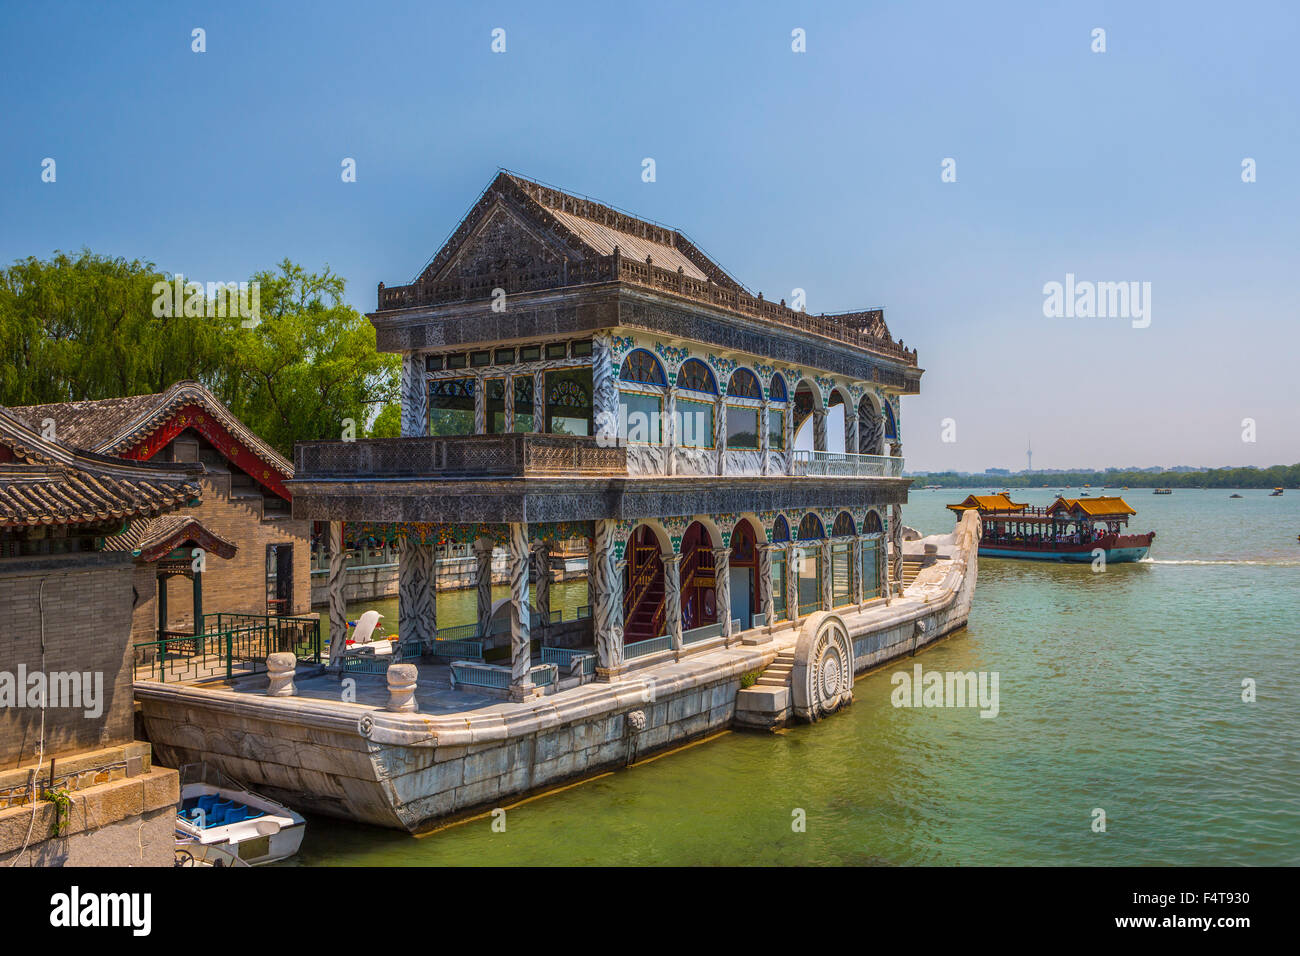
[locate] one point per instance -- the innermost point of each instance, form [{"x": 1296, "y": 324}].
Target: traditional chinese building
[
  {"x": 571, "y": 370},
  {"x": 75, "y": 785},
  {"x": 255, "y": 555}
]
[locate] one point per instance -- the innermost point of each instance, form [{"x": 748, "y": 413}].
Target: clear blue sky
[{"x": 818, "y": 170}]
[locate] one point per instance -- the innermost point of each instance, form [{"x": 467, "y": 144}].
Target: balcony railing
[
  {"x": 461, "y": 456},
  {"x": 844, "y": 465},
  {"x": 864, "y": 329}
]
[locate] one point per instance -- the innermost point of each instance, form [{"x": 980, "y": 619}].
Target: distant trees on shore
[
  {"x": 86, "y": 326},
  {"x": 1276, "y": 476}
]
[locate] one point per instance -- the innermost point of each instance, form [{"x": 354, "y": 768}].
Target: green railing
[
  {"x": 697, "y": 634},
  {"x": 227, "y": 644},
  {"x": 650, "y": 646},
  {"x": 497, "y": 677},
  {"x": 563, "y": 658}
]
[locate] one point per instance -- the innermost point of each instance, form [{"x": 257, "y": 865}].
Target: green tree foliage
[
  {"x": 1275, "y": 476},
  {"x": 83, "y": 327}
]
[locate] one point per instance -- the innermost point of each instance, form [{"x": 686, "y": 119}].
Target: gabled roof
[
  {"x": 152, "y": 539},
  {"x": 138, "y": 425},
  {"x": 571, "y": 227},
  {"x": 1101, "y": 507},
  {"x": 984, "y": 503},
  {"x": 44, "y": 482}
]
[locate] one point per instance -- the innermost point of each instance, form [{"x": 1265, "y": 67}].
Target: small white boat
[{"x": 219, "y": 818}]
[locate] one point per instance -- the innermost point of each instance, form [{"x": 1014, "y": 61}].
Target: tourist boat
[
  {"x": 1234, "y": 496},
  {"x": 1069, "y": 529},
  {"x": 219, "y": 818},
  {"x": 1163, "y": 491},
  {"x": 1275, "y": 493}
]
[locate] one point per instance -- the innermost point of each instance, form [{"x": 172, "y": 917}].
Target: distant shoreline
[{"x": 1228, "y": 479}]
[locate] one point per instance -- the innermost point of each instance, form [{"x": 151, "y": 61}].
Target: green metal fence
[{"x": 227, "y": 645}]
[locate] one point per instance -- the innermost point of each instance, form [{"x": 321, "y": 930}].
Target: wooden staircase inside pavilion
[{"x": 644, "y": 599}]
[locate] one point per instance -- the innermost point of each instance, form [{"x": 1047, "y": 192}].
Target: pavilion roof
[
  {"x": 983, "y": 503},
  {"x": 151, "y": 539},
  {"x": 1103, "y": 506},
  {"x": 45, "y": 482}
]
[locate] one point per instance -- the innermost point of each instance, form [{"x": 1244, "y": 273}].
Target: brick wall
[
  {"x": 237, "y": 584},
  {"x": 87, "y": 602}
]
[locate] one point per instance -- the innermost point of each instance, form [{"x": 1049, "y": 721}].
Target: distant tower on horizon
[{"x": 1029, "y": 455}]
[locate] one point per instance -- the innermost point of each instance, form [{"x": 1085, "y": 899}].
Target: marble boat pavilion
[{"x": 570, "y": 371}]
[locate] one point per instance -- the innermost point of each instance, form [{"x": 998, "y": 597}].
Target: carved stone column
[
  {"x": 722, "y": 589},
  {"x": 483, "y": 581},
  {"x": 480, "y": 406},
  {"x": 673, "y": 600},
  {"x": 787, "y": 429},
  {"x": 541, "y": 564},
  {"x": 850, "y": 430},
  {"x": 415, "y": 396},
  {"x": 792, "y": 583},
  {"x": 764, "y": 439},
  {"x": 521, "y": 653},
  {"x": 508, "y": 425},
  {"x": 859, "y": 586},
  {"x": 720, "y": 433},
  {"x": 828, "y": 599},
  {"x": 539, "y": 401},
  {"x": 896, "y": 534},
  {"x": 604, "y": 390},
  {"x": 819, "y": 429},
  {"x": 607, "y": 606},
  {"x": 415, "y": 607},
  {"x": 670, "y": 429},
  {"x": 765, "y": 599},
  {"x": 338, "y": 603}
]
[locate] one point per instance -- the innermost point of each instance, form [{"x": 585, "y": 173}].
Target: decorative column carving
[
  {"x": 670, "y": 429},
  {"x": 415, "y": 396},
  {"x": 539, "y": 401},
  {"x": 766, "y": 601},
  {"x": 673, "y": 599},
  {"x": 480, "y": 406},
  {"x": 607, "y": 606},
  {"x": 828, "y": 599},
  {"x": 850, "y": 430},
  {"x": 483, "y": 581},
  {"x": 819, "y": 429},
  {"x": 792, "y": 583},
  {"x": 859, "y": 585},
  {"x": 722, "y": 589},
  {"x": 521, "y": 653},
  {"x": 787, "y": 431},
  {"x": 720, "y": 433},
  {"x": 764, "y": 438},
  {"x": 508, "y": 425},
  {"x": 338, "y": 603},
  {"x": 896, "y": 534},
  {"x": 415, "y": 611},
  {"x": 541, "y": 564},
  {"x": 604, "y": 390}
]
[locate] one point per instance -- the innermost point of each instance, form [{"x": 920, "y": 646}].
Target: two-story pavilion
[{"x": 571, "y": 370}]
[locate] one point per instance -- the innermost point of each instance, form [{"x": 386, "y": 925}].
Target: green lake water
[{"x": 1120, "y": 690}]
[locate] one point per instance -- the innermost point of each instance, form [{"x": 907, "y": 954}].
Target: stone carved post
[
  {"x": 483, "y": 581},
  {"x": 819, "y": 429},
  {"x": 670, "y": 429},
  {"x": 521, "y": 650},
  {"x": 415, "y": 613},
  {"x": 850, "y": 430},
  {"x": 604, "y": 390},
  {"x": 338, "y": 603},
  {"x": 896, "y": 534},
  {"x": 279, "y": 671},
  {"x": 607, "y": 604},
  {"x": 673, "y": 600},
  {"x": 720, "y": 433},
  {"x": 792, "y": 583},
  {"x": 401, "y": 688},
  {"x": 787, "y": 431},
  {"x": 480, "y": 406},
  {"x": 764, "y": 439},
  {"x": 722, "y": 589},
  {"x": 766, "y": 600},
  {"x": 859, "y": 586},
  {"x": 508, "y": 425},
  {"x": 828, "y": 598},
  {"x": 415, "y": 396},
  {"x": 542, "y": 575},
  {"x": 539, "y": 401}
]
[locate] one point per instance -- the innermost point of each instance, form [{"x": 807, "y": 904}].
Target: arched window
[
  {"x": 843, "y": 525},
  {"x": 640, "y": 366},
  {"x": 872, "y": 524},
  {"x": 891, "y": 427},
  {"x": 776, "y": 391},
  {"x": 695, "y": 376},
  {"x": 811, "y": 528},
  {"x": 744, "y": 384},
  {"x": 780, "y": 529}
]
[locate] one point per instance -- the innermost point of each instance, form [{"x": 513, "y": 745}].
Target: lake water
[{"x": 1120, "y": 690}]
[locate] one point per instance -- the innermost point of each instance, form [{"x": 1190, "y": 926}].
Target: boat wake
[{"x": 1274, "y": 563}]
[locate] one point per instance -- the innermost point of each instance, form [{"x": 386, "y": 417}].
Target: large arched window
[
  {"x": 694, "y": 415},
  {"x": 843, "y": 526},
  {"x": 642, "y": 367},
  {"x": 776, "y": 390},
  {"x": 744, "y": 411},
  {"x": 780, "y": 529},
  {"x": 872, "y": 524},
  {"x": 811, "y": 528},
  {"x": 891, "y": 426},
  {"x": 744, "y": 384}
]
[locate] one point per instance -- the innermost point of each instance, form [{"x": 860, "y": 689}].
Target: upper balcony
[{"x": 836, "y": 464}]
